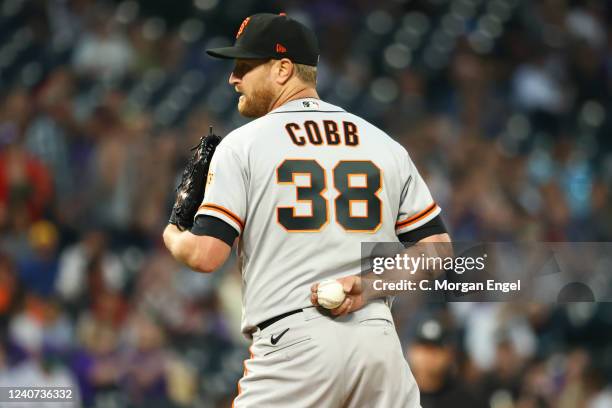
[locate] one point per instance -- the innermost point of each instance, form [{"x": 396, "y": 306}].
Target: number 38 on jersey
[{"x": 357, "y": 207}]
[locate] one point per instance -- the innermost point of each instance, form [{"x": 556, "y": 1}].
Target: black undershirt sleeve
[
  {"x": 214, "y": 227},
  {"x": 433, "y": 227}
]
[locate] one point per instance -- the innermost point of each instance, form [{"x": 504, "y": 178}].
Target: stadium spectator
[{"x": 432, "y": 361}]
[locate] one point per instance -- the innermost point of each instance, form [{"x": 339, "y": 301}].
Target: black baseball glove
[{"x": 190, "y": 192}]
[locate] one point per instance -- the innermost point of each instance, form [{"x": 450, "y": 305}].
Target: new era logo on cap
[{"x": 271, "y": 36}]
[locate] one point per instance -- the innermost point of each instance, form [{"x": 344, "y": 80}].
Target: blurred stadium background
[{"x": 503, "y": 104}]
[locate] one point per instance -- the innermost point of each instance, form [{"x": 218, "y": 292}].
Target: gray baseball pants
[{"x": 353, "y": 361}]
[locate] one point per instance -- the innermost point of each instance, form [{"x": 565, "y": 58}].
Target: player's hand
[{"x": 354, "y": 295}]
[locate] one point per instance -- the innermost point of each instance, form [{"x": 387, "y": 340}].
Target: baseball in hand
[{"x": 330, "y": 294}]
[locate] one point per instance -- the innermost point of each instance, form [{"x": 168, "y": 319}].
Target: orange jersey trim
[
  {"x": 417, "y": 217},
  {"x": 224, "y": 211}
]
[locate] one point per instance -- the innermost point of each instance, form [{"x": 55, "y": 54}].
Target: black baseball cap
[
  {"x": 432, "y": 331},
  {"x": 274, "y": 36}
]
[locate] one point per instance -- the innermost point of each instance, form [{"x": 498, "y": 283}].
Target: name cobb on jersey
[{"x": 327, "y": 132}]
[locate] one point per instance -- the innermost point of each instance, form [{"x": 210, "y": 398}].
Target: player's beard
[{"x": 257, "y": 103}]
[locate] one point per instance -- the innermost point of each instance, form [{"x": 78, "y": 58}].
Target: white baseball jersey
[{"x": 303, "y": 186}]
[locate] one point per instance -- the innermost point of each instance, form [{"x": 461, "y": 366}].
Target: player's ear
[{"x": 283, "y": 70}]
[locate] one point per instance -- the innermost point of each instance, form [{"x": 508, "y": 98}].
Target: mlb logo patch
[{"x": 310, "y": 104}]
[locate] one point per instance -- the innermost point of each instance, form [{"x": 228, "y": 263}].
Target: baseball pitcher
[{"x": 299, "y": 188}]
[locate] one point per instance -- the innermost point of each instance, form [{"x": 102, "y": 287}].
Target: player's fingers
[
  {"x": 349, "y": 307},
  {"x": 356, "y": 303},
  {"x": 314, "y": 299},
  {"x": 339, "y": 309},
  {"x": 343, "y": 308},
  {"x": 314, "y": 287},
  {"x": 347, "y": 283}
]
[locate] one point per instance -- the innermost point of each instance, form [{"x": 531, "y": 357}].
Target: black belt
[{"x": 275, "y": 319}]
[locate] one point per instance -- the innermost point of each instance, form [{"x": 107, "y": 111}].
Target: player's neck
[{"x": 288, "y": 95}]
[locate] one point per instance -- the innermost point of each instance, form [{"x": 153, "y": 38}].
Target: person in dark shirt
[{"x": 431, "y": 356}]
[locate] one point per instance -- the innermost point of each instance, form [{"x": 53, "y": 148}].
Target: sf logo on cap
[{"x": 242, "y": 26}]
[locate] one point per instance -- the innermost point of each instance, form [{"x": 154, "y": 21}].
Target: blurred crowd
[{"x": 503, "y": 104}]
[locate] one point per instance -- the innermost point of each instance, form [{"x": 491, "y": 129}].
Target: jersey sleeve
[
  {"x": 417, "y": 206},
  {"x": 226, "y": 190}
]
